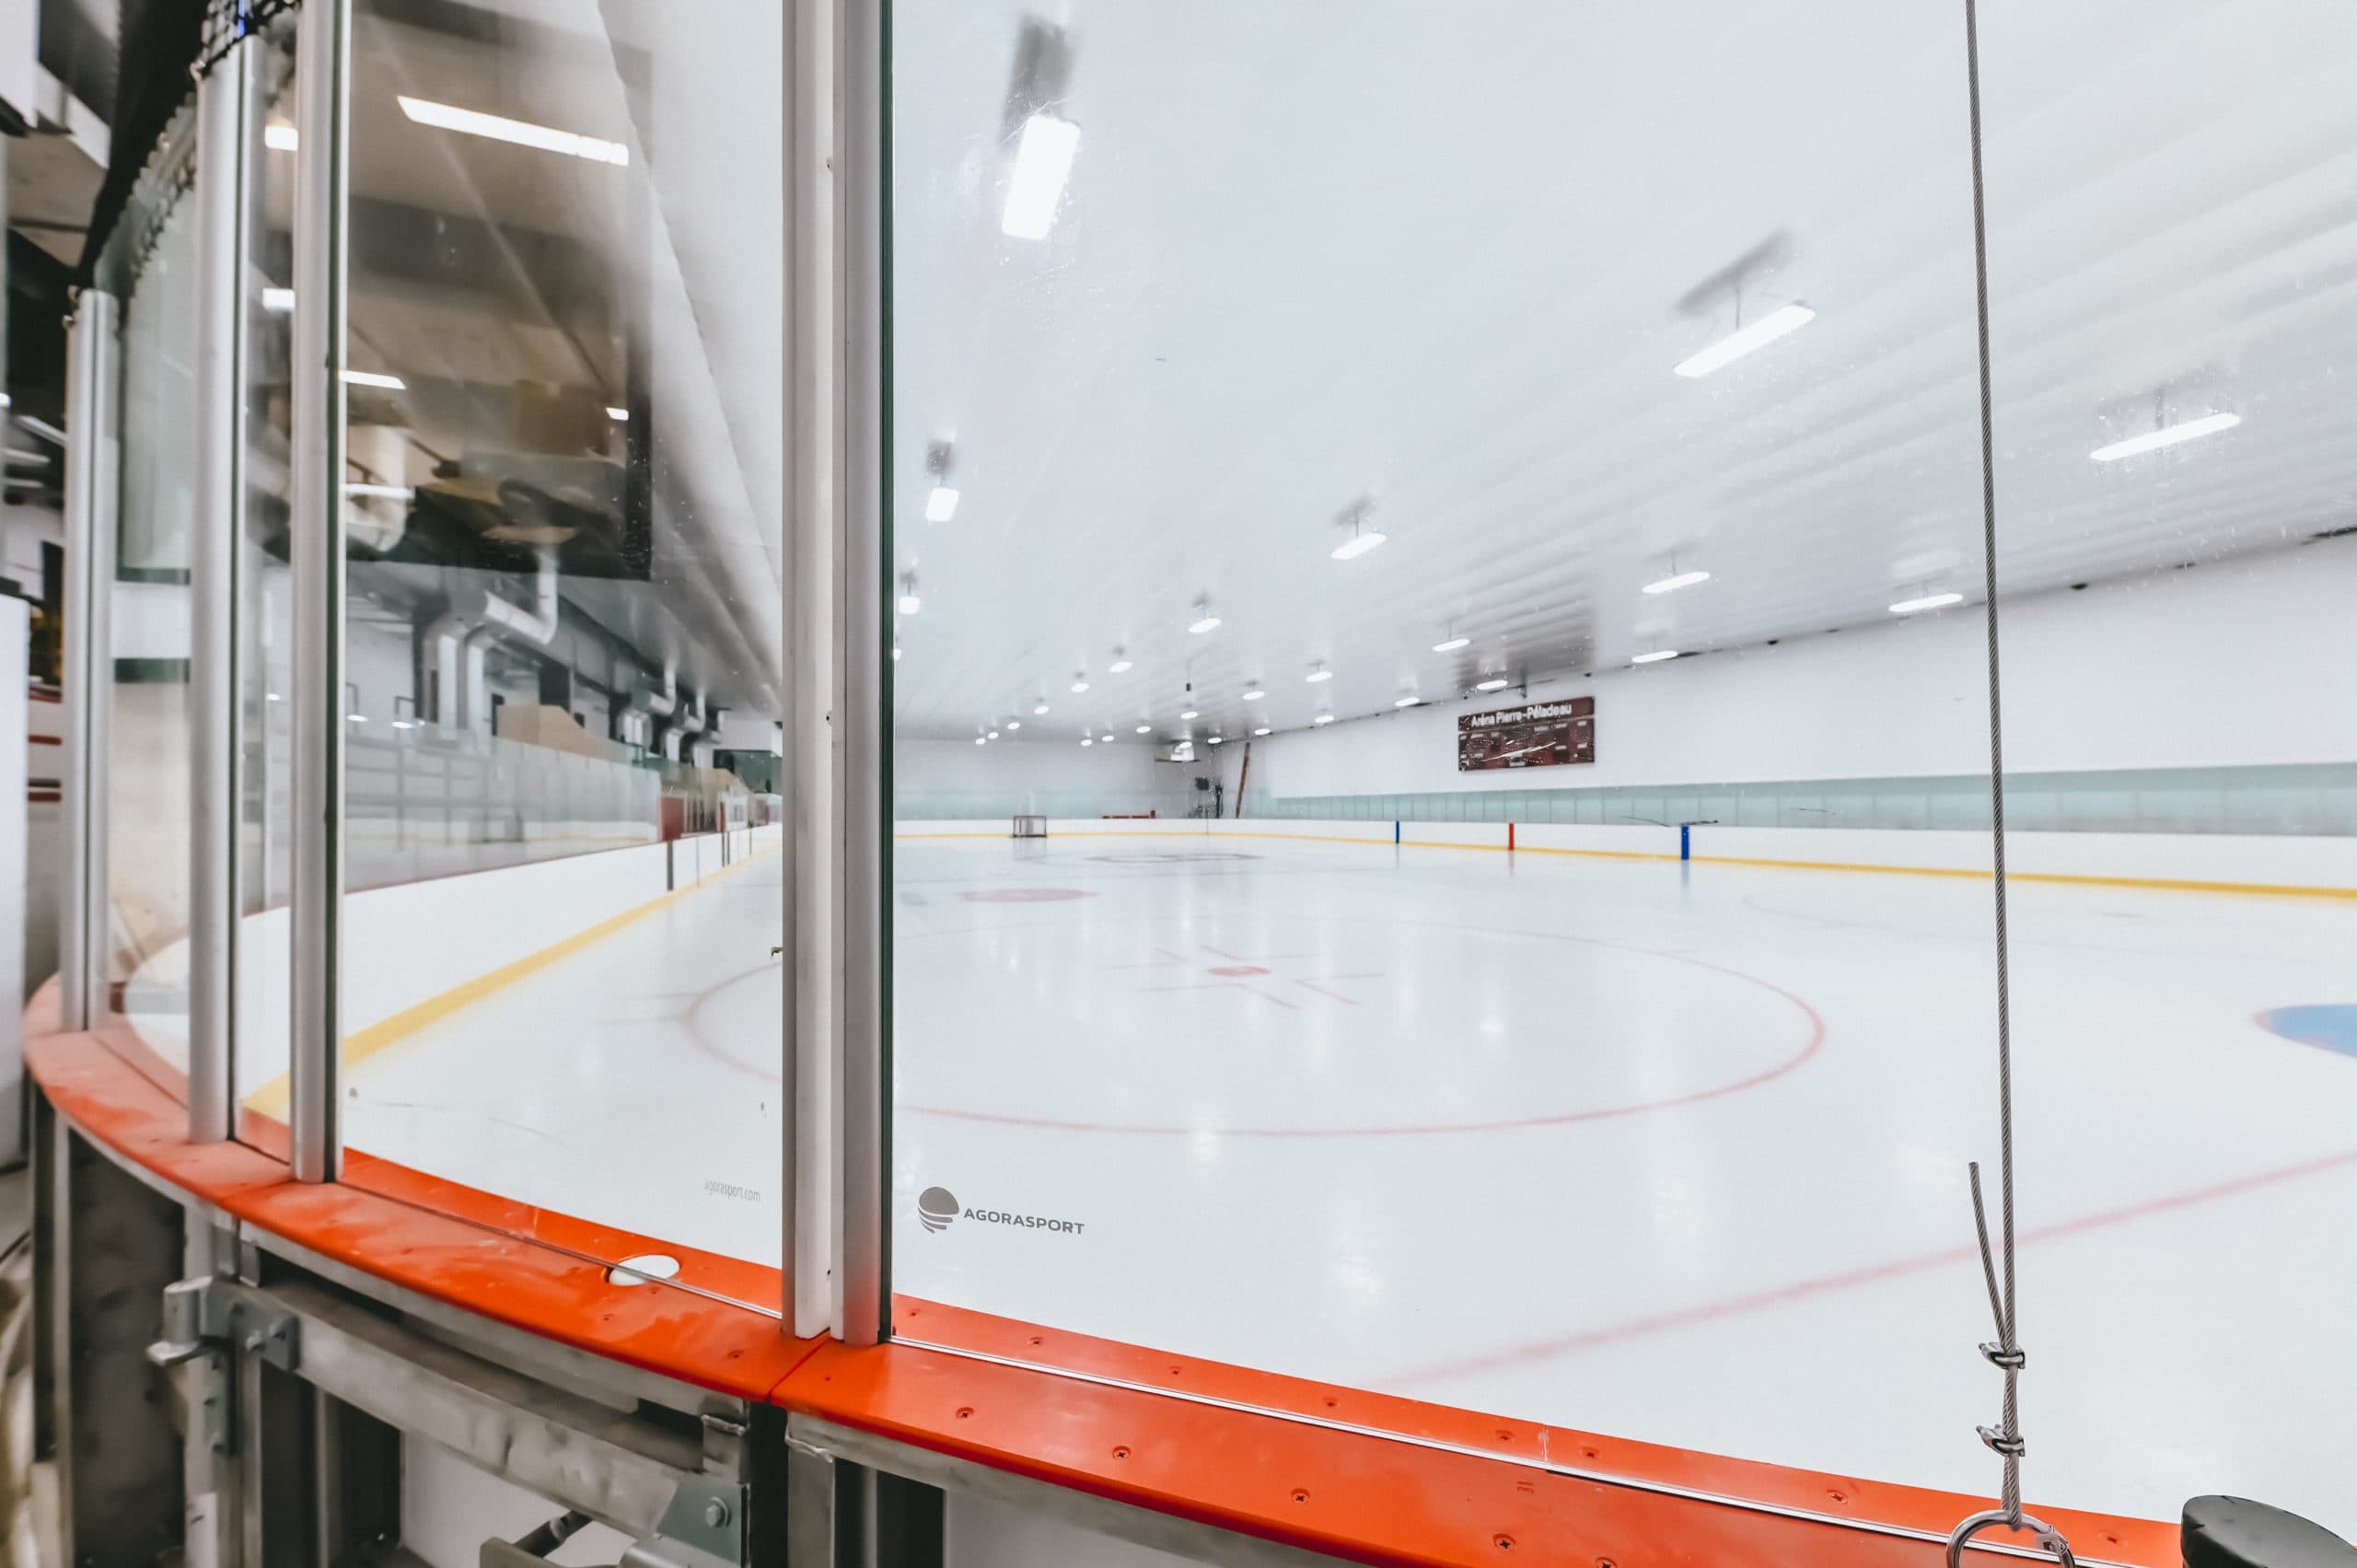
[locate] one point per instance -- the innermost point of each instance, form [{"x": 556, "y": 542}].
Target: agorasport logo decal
[{"x": 937, "y": 1206}]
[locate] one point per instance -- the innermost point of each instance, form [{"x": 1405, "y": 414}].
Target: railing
[{"x": 2294, "y": 799}]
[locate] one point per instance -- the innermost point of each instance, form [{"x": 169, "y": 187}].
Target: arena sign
[{"x": 1536, "y": 735}]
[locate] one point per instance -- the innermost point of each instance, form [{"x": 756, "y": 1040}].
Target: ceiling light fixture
[
  {"x": 1040, "y": 708},
  {"x": 1676, "y": 580},
  {"x": 1320, "y": 673},
  {"x": 1120, "y": 664},
  {"x": 1495, "y": 683},
  {"x": 1014, "y": 724},
  {"x": 1079, "y": 682},
  {"x": 1084, "y": 741},
  {"x": 941, "y": 501},
  {"x": 2169, "y": 436},
  {"x": 375, "y": 378},
  {"x": 982, "y": 740},
  {"x": 1655, "y": 656},
  {"x": 1406, "y": 701},
  {"x": 1043, "y": 154},
  {"x": 910, "y": 603},
  {"x": 1450, "y": 645},
  {"x": 1145, "y": 729},
  {"x": 1204, "y": 620},
  {"x": 281, "y": 137},
  {"x": 1363, "y": 538},
  {"x": 1190, "y": 713},
  {"x": 1744, "y": 340},
  {"x": 1323, "y": 719},
  {"x": 278, "y": 301},
  {"x": 1106, "y": 739},
  {"x": 1928, "y": 601},
  {"x": 1215, "y": 740},
  {"x": 1263, "y": 730},
  {"x": 1253, "y": 694},
  {"x": 521, "y": 132},
  {"x": 619, "y": 415},
  {"x": 993, "y": 735}
]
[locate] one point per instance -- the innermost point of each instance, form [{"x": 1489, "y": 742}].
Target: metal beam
[
  {"x": 324, "y": 95},
  {"x": 92, "y": 470},
  {"x": 223, "y": 99},
  {"x": 864, "y": 798}
]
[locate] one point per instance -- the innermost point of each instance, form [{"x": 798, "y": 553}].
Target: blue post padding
[
  {"x": 1395, "y": 832},
  {"x": 1686, "y": 841}
]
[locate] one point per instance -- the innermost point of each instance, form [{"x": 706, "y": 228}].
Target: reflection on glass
[
  {"x": 563, "y": 633},
  {"x": 1547, "y": 1011},
  {"x": 2171, "y": 273},
  {"x": 147, "y": 809}
]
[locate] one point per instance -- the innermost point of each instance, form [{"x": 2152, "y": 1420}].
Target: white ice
[{"x": 1666, "y": 1153}]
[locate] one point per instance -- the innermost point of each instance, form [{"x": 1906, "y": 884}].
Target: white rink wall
[
  {"x": 2251, "y": 861},
  {"x": 2228, "y": 664}
]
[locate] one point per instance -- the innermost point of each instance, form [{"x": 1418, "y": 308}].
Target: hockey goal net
[{"x": 1030, "y": 827}]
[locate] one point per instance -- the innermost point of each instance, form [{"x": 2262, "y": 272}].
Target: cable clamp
[
  {"x": 2012, "y": 1360},
  {"x": 2012, "y": 1445}
]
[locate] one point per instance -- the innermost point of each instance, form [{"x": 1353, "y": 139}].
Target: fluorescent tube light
[
  {"x": 1042, "y": 163},
  {"x": 1451, "y": 644},
  {"x": 1671, "y": 585},
  {"x": 522, "y": 133},
  {"x": 1498, "y": 683},
  {"x": 2153, "y": 441},
  {"x": 1204, "y": 624},
  {"x": 1406, "y": 701},
  {"x": 1744, "y": 340},
  {"x": 1928, "y": 601},
  {"x": 1655, "y": 656},
  {"x": 941, "y": 505},
  {"x": 375, "y": 378},
  {"x": 1315, "y": 675},
  {"x": 1358, "y": 544}
]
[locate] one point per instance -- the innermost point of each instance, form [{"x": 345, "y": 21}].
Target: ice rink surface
[{"x": 1662, "y": 1152}]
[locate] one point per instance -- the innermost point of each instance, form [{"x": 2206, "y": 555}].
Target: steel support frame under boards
[
  {"x": 323, "y": 72},
  {"x": 93, "y": 442},
  {"x": 224, "y": 97}
]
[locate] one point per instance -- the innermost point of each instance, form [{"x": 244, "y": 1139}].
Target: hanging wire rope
[{"x": 2006, "y": 1352}]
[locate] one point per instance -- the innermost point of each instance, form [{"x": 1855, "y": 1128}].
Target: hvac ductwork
[{"x": 476, "y": 618}]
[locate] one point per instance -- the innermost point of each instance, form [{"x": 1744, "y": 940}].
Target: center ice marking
[{"x": 1240, "y": 968}]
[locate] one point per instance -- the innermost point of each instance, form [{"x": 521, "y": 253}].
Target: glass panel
[
  {"x": 147, "y": 807},
  {"x": 2175, "y": 313},
  {"x": 564, "y": 651},
  {"x": 1658, "y": 342},
  {"x": 265, "y": 609}
]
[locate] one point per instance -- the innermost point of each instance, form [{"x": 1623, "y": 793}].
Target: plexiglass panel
[
  {"x": 563, "y": 635},
  {"x": 2174, "y": 285},
  {"x": 1417, "y": 413},
  {"x": 146, "y": 805},
  {"x": 265, "y": 603}
]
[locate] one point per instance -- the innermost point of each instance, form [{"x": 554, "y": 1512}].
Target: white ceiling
[{"x": 1318, "y": 250}]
